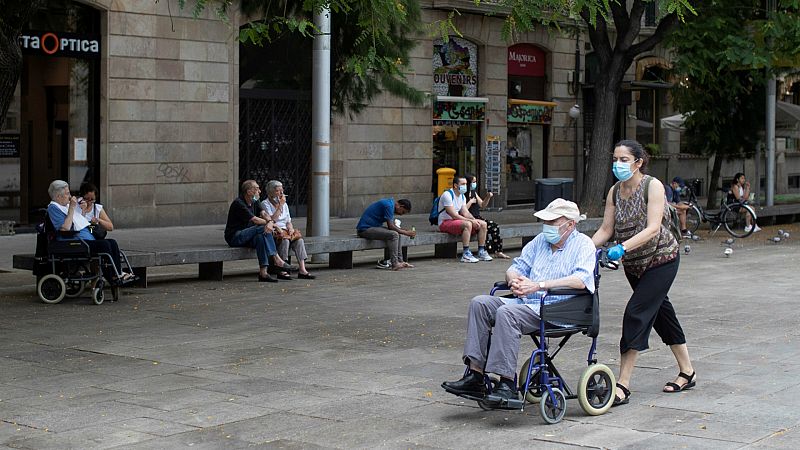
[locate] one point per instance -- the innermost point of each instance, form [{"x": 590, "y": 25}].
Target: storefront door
[{"x": 55, "y": 116}]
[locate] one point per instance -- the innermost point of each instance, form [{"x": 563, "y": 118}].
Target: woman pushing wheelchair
[{"x": 650, "y": 256}]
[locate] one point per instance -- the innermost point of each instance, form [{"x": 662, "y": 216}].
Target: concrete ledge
[{"x": 340, "y": 248}]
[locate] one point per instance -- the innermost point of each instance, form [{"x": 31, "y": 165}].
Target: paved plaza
[{"x": 355, "y": 358}]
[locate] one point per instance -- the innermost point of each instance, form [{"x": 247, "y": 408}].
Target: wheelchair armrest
[
  {"x": 567, "y": 291},
  {"x": 67, "y": 233},
  {"x": 501, "y": 285}
]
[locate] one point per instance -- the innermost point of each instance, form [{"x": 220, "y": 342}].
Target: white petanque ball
[
  {"x": 687, "y": 249},
  {"x": 695, "y": 237},
  {"x": 728, "y": 252}
]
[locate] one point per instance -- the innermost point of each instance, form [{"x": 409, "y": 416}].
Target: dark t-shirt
[
  {"x": 475, "y": 209},
  {"x": 239, "y": 216}
]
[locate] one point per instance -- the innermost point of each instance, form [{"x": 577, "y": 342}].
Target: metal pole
[
  {"x": 321, "y": 127},
  {"x": 770, "y": 132},
  {"x": 577, "y": 182}
]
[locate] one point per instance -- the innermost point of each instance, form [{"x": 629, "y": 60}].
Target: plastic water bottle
[{"x": 413, "y": 230}]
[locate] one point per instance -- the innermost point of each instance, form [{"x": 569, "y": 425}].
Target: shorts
[{"x": 453, "y": 226}]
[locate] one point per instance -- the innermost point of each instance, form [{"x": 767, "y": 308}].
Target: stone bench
[{"x": 210, "y": 259}]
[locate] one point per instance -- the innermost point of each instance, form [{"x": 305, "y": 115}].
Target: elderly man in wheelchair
[{"x": 559, "y": 258}]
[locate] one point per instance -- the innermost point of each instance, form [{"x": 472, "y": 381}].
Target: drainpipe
[{"x": 321, "y": 127}]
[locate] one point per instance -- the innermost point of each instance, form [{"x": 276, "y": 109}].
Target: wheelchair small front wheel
[
  {"x": 97, "y": 292},
  {"x": 534, "y": 393},
  {"x": 51, "y": 288},
  {"x": 553, "y": 407},
  {"x": 596, "y": 389}
]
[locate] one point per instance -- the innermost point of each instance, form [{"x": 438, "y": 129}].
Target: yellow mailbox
[{"x": 445, "y": 179}]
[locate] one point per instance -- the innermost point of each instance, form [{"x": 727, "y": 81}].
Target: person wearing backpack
[
  {"x": 634, "y": 215},
  {"x": 455, "y": 219},
  {"x": 371, "y": 226}
]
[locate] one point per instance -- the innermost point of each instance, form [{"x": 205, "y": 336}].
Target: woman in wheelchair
[
  {"x": 559, "y": 257},
  {"x": 651, "y": 259},
  {"x": 70, "y": 224}
]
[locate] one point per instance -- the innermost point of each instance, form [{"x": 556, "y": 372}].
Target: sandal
[
  {"x": 624, "y": 400},
  {"x": 284, "y": 275},
  {"x": 690, "y": 383}
]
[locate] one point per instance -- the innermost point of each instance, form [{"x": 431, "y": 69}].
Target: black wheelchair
[
  {"x": 67, "y": 268},
  {"x": 539, "y": 381}
]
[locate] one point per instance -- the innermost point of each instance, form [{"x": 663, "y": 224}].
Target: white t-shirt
[
  {"x": 448, "y": 198},
  {"x": 93, "y": 213},
  {"x": 283, "y": 219}
]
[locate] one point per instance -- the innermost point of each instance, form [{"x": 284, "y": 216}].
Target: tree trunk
[
  {"x": 712, "y": 183},
  {"x": 16, "y": 14},
  {"x": 598, "y": 169}
]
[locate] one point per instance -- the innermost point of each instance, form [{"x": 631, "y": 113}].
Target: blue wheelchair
[{"x": 539, "y": 381}]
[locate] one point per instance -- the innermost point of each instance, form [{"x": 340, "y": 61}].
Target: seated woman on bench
[{"x": 65, "y": 214}]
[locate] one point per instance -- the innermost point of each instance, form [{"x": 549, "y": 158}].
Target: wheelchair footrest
[{"x": 497, "y": 403}]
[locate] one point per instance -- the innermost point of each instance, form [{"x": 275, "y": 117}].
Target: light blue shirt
[{"x": 539, "y": 262}]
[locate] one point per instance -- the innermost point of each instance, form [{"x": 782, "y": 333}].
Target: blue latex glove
[{"x": 616, "y": 252}]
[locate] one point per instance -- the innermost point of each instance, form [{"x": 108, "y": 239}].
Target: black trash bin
[{"x": 549, "y": 189}]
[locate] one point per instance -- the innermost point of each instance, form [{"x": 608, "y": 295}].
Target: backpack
[
  {"x": 669, "y": 220},
  {"x": 433, "y": 218}
]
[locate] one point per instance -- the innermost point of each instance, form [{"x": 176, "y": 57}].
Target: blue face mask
[
  {"x": 462, "y": 188},
  {"x": 474, "y": 186},
  {"x": 552, "y": 233},
  {"x": 622, "y": 170}
]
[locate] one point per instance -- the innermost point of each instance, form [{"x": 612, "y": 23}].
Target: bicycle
[{"x": 733, "y": 216}]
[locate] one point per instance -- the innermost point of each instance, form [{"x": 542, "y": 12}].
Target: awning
[
  {"x": 787, "y": 120},
  {"x": 530, "y": 111},
  {"x": 452, "y": 110}
]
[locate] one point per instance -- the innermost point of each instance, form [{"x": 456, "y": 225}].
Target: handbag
[{"x": 96, "y": 229}]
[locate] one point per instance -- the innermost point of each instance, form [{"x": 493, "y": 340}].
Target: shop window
[{"x": 794, "y": 181}]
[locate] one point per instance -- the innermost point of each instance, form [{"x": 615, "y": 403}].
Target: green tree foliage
[
  {"x": 371, "y": 41},
  {"x": 721, "y": 63},
  {"x": 614, "y": 29},
  {"x": 15, "y": 15}
]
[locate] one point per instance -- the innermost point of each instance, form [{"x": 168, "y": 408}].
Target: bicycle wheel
[
  {"x": 693, "y": 219},
  {"x": 736, "y": 218}
]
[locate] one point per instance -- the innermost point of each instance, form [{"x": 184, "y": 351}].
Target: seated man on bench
[
  {"x": 559, "y": 257},
  {"x": 370, "y": 226},
  {"x": 248, "y": 227}
]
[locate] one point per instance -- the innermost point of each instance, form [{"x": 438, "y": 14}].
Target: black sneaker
[
  {"x": 505, "y": 391},
  {"x": 384, "y": 264},
  {"x": 471, "y": 384}
]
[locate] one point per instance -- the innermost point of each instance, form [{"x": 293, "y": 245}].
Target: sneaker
[
  {"x": 468, "y": 258},
  {"x": 484, "y": 256},
  {"x": 756, "y": 228},
  {"x": 384, "y": 264},
  {"x": 747, "y": 228}
]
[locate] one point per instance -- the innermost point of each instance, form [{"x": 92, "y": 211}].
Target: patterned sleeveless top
[{"x": 630, "y": 217}]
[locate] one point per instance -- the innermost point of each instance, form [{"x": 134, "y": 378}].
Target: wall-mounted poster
[
  {"x": 455, "y": 67},
  {"x": 9, "y": 146}
]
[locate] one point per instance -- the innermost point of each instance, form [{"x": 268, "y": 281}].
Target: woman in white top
[
  {"x": 91, "y": 210},
  {"x": 739, "y": 193},
  {"x": 285, "y": 234}
]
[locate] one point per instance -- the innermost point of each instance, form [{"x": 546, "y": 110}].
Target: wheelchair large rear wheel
[
  {"x": 553, "y": 410},
  {"x": 51, "y": 288},
  {"x": 596, "y": 389},
  {"x": 74, "y": 288},
  {"x": 534, "y": 393}
]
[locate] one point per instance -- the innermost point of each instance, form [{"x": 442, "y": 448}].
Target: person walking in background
[
  {"x": 494, "y": 243},
  {"x": 371, "y": 226},
  {"x": 650, "y": 255}
]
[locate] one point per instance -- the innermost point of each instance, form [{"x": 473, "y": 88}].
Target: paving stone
[
  {"x": 366, "y": 433},
  {"x": 271, "y": 427},
  {"x": 70, "y": 397},
  {"x": 153, "y": 426},
  {"x": 69, "y": 418},
  {"x": 96, "y": 437},
  {"x": 156, "y": 384},
  {"x": 212, "y": 414},
  {"x": 177, "y": 399},
  {"x": 56, "y": 383}
]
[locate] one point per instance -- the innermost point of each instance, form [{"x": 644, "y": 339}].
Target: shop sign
[
  {"x": 9, "y": 146},
  {"x": 458, "y": 112},
  {"x": 530, "y": 113},
  {"x": 455, "y": 67},
  {"x": 49, "y": 43},
  {"x": 526, "y": 60}
]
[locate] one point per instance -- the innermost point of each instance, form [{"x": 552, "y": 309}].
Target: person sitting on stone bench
[
  {"x": 370, "y": 226},
  {"x": 455, "y": 219},
  {"x": 285, "y": 234},
  {"x": 247, "y": 228}
]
